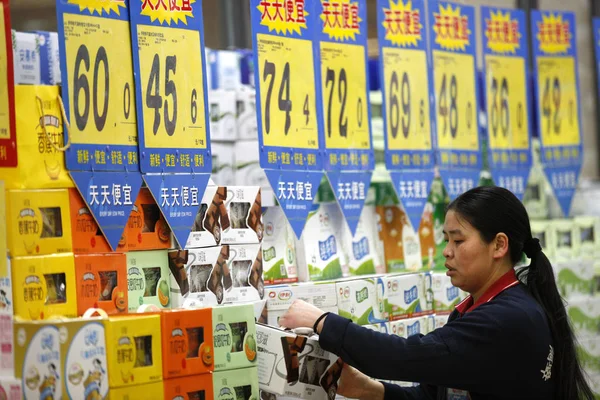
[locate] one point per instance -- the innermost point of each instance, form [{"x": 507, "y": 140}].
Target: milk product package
[
  {"x": 408, "y": 295},
  {"x": 413, "y": 326},
  {"x": 295, "y": 366},
  {"x": 401, "y": 244},
  {"x": 47, "y": 43},
  {"x": 566, "y": 240},
  {"x": 246, "y": 269},
  {"x": 279, "y": 248},
  {"x": 222, "y": 163},
  {"x": 445, "y": 296},
  {"x": 246, "y": 113},
  {"x": 244, "y": 211},
  {"x": 319, "y": 251},
  {"x": 225, "y": 70},
  {"x": 584, "y": 312},
  {"x": 361, "y": 253},
  {"x": 248, "y": 171},
  {"x": 382, "y": 327},
  {"x": 588, "y": 231},
  {"x": 148, "y": 279},
  {"x": 210, "y": 220},
  {"x": 440, "y": 320},
  {"x": 574, "y": 278},
  {"x": 26, "y": 56},
  {"x": 7, "y": 346},
  {"x": 223, "y": 126},
  {"x": 541, "y": 229},
  {"x": 280, "y": 298},
  {"x": 358, "y": 301},
  {"x": 234, "y": 335},
  {"x": 588, "y": 352},
  {"x": 10, "y": 388}
]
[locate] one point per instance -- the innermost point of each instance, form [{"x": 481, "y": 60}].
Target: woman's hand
[
  {"x": 300, "y": 315},
  {"x": 354, "y": 384}
]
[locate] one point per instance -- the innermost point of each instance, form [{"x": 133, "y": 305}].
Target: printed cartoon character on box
[
  {"x": 42, "y": 363},
  {"x": 86, "y": 362}
]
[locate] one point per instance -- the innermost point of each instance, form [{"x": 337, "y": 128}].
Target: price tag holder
[
  {"x": 98, "y": 89},
  {"x": 453, "y": 46},
  {"x": 341, "y": 68},
  {"x": 8, "y": 136},
  {"x": 557, "y": 99},
  {"x": 596, "y": 27},
  {"x": 284, "y": 54},
  {"x": 170, "y": 73},
  {"x": 407, "y": 84},
  {"x": 506, "y": 54}
]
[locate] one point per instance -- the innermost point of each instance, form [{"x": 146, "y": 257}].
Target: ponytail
[{"x": 571, "y": 381}]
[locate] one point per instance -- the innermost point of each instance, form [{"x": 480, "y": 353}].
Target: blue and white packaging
[
  {"x": 223, "y": 123},
  {"x": 247, "y": 67},
  {"x": 224, "y": 66},
  {"x": 47, "y": 43},
  {"x": 26, "y": 58},
  {"x": 247, "y": 125}
]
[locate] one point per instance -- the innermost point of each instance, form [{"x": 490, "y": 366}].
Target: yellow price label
[
  {"x": 454, "y": 82},
  {"x": 100, "y": 74},
  {"x": 557, "y": 101},
  {"x": 172, "y": 88},
  {"x": 4, "y": 106},
  {"x": 506, "y": 102},
  {"x": 344, "y": 83},
  {"x": 407, "y": 91},
  {"x": 287, "y": 92}
]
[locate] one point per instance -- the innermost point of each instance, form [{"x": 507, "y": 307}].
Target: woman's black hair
[{"x": 491, "y": 210}]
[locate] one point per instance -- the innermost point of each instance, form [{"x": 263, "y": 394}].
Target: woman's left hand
[{"x": 300, "y": 315}]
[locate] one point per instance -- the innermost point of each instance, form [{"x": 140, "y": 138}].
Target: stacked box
[
  {"x": 408, "y": 295},
  {"x": 148, "y": 279},
  {"x": 26, "y": 58},
  {"x": 445, "y": 296},
  {"x": 361, "y": 300},
  {"x": 234, "y": 335},
  {"x": 279, "y": 248},
  {"x": 361, "y": 256}
]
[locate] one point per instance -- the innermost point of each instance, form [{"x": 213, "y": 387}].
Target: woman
[{"x": 510, "y": 339}]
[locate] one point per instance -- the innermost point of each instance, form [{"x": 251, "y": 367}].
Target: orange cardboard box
[
  {"x": 87, "y": 237},
  {"x": 146, "y": 228},
  {"x": 194, "y": 387},
  {"x": 187, "y": 342},
  {"x": 101, "y": 282}
]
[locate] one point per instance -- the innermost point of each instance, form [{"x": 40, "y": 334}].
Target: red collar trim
[{"x": 508, "y": 280}]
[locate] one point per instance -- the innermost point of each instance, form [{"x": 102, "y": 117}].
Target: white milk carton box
[
  {"x": 47, "y": 43},
  {"x": 246, "y": 269},
  {"x": 223, "y": 163},
  {"x": 247, "y": 167},
  {"x": 445, "y": 296},
  {"x": 589, "y": 354},
  {"x": 566, "y": 241},
  {"x": 440, "y": 320},
  {"x": 26, "y": 58},
  {"x": 408, "y": 295},
  {"x": 225, "y": 70},
  {"x": 361, "y": 253},
  {"x": 382, "y": 327},
  {"x": 358, "y": 301},
  {"x": 247, "y": 126},
  {"x": 223, "y": 125},
  {"x": 280, "y": 298},
  {"x": 584, "y": 313},
  {"x": 575, "y": 278},
  {"x": 279, "y": 248},
  {"x": 588, "y": 231},
  {"x": 412, "y": 326},
  {"x": 319, "y": 251},
  {"x": 10, "y": 388},
  {"x": 541, "y": 229},
  {"x": 294, "y": 365}
]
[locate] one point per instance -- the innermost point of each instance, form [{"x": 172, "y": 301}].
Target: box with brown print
[
  {"x": 87, "y": 236},
  {"x": 38, "y": 222},
  {"x": 146, "y": 227},
  {"x": 244, "y": 213},
  {"x": 245, "y": 266},
  {"x": 44, "y": 286},
  {"x": 210, "y": 220}
]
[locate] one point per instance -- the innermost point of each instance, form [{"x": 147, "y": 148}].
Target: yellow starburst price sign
[{"x": 98, "y": 84}]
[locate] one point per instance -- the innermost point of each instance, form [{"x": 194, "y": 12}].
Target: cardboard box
[
  {"x": 584, "y": 313},
  {"x": 223, "y": 163},
  {"x": 146, "y": 228},
  {"x": 83, "y": 358},
  {"x": 359, "y": 302},
  {"x": 248, "y": 171},
  {"x": 211, "y": 219},
  {"x": 38, "y": 222},
  {"x": 294, "y": 365},
  {"x": 319, "y": 250},
  {"x": 243, "y": 205},
  {"x": 6, "y": 290},
  {"x": 566, "y": 240},
  {"x": 197, "y": 276},
  {"x": 7, "y": 347},
  {"x": 187, "y": 342},
  {"x": 247, "y": 125},
  {"x": 196, "y": 387},
  {"x": 46, "y": 286},
  {"x": 445, "y": 296},
  {"x": 26, "y": 56},
  {"x": 223, "y": 124},
  {"x": 245, "y": 266},
  {"x": 574, "y": 278},
  {"x": 439, "y": 321},
  {"x": 360, "y": 249},
  {"x": 588, "y": 231},
  {"x": 541, "y": 229},
  {"x": 134, "y": 350},
  {"x": 38, "y": 361},
  {"x": 234, "y": 333},
  {"x": 382, "y": 327},
  {"x": 280, "y": 298},
  {"x": 148, "y": 279},
  {"x": 225, "y": 70},
  {"x": 10, "y": 388},
  {"x": 588, "y": 352},
  {"x": 408, "y": 295},
  {"x": 396, "y": 233},
  {"x": 238, "y": 384},
  {"x": 413, "y": 326},
  {"x": 101, "y": 281},
  {"x": 47, "y": 42},
  {"x": 4, "y": 259},
  {"x": 41, "y": 165},
  {"x": 279, "y": 248},
  {"x": 535, "y": 198},
  {"x": 149, "y": 391},
  {"x": 87, "y": 236}
]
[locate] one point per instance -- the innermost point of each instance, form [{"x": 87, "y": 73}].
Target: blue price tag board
[
  {"x": 110, "y": 196},
  {"x": 596, "y": 23},
  {"x": 179, "y": 197},
  {"x": 98, "y": 86},
  {"x": 286, "y": 89},
  {"x": 342, "y": 76},
  {"x": 455, "y": 85},
  {"x": 170, "y": 77},
  {"x": 557, "y": 100},
  {"x": 406, "y": 84},
  {"x": 413, "y": 188},
  {"x": 351, "y": 192}
]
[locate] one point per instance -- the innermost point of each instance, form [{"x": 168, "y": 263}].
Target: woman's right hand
[{"x": 354, "y": 384}]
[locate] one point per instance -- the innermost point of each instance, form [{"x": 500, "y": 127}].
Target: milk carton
[
  {"x": 26, "y": 56},
  {"x": 222, "y": 163},
  {"x": 357, "y": 301},
  {"x": 445, "y": 296},
  {"x": 246, "y": 113},
  {"x": 280, "y": 298},
  {"x": 408, "y": 295},
  {"x": 223, "y": 126},
  {"x": 584, "y": 313},
  {"x": 279, "y": 248},
  {"x": 361, "y": 253}
]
